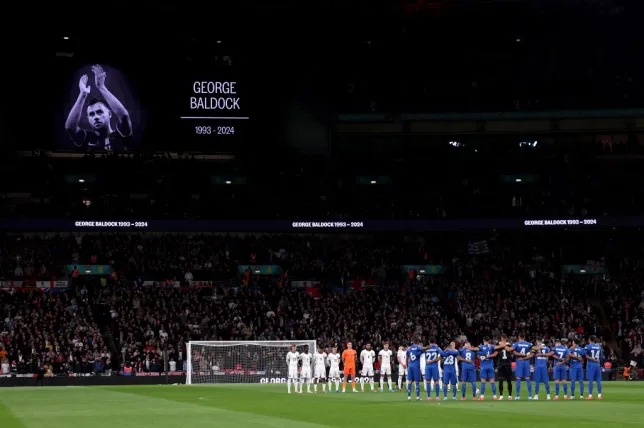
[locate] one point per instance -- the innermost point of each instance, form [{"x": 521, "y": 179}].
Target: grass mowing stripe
[
  {"x": 8, "y": 419},
  {"x": 197, "y": 404}
]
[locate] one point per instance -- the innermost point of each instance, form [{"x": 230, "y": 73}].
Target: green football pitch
[{"x": 173, "y": 406}]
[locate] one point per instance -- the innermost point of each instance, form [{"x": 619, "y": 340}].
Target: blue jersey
[
  {"x": 525, "y": 349},
  {"x": 560, "y": 351},
  {"x": 578, "y": 352},
  {"x": 431, "y": 354},
  {"x": 542, "y": 360},
  {"x": 594, "y": 351},
  {"x": 414, "y": 355},
  {"x": 449, "y": 359},
  {"x": 486, "y": 351},
  {"x": 467, "y": 355}
]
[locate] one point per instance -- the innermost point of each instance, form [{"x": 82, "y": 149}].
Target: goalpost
[{"x": 241, "y": 361}]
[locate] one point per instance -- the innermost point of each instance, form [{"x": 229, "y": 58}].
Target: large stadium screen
[{"x": 184, "y": 107}]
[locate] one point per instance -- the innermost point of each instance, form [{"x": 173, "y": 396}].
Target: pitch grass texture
[{"x": 180, "y": 406}]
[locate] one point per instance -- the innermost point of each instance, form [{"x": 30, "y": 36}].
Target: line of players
[
  {"x": 524, "y": 353},
  {"x": 445, "y": 376},
  {"x": 328, "y": 366}
]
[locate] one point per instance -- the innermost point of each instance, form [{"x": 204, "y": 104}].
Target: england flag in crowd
[{"x": 480, "y": 247}]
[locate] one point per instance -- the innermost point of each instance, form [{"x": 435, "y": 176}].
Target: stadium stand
[{"x": 150, "y": 309}]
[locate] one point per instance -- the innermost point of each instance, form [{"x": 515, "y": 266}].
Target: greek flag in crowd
[{"x": 480, "y": 247}]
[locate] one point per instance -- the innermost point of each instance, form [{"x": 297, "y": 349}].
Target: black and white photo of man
[{"x": 99, "y": 111}]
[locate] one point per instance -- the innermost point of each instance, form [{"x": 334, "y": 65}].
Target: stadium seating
[{"x": 357, "y": 292}]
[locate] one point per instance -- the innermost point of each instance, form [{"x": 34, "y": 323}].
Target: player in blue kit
[
  {"x": 433, "y": 355},
  {"x": 541, "y": 368},
  {"x": 523, "y": 352},
  {"x": 594, "y": 359},
  {"x": 468, "y": 371},
  {"x": 414, "y": 354},
  {"x": 450, "y": 356},
  {"x": 560, "y": 372},
  {"x": 576, "y": 355},
  {"x": 486, "y": 354}
]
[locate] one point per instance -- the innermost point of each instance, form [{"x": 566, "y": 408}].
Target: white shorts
[
  {"x": 320, "y": 372},
  {"x": 402, "y": 371},
  {"x": 367, "y": 371},
  {"x": 292, "y": 373},
  {"x": 305, "y": 373},
  {"x": 385, "y": 370},
  {"x": 334, "y": 374}
]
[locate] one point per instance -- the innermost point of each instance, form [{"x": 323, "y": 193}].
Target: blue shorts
[
  {"x": 449, "y": 377},
  {"x": 577, "y": 373},
  {"x": 431, "y": 373},
  {"x": 413, "y": 374},
  {"x": 541, "y": 374},
  {"x": 522, "y": 370},
  {"x": 487, "y": 373},
  {"x": 593, "y": 373},
  {"x": 468, "y": 375},
  {"x": 560, "y": 372}
]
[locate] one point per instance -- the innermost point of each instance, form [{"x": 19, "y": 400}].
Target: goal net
[{"x": 240, "y": 362}]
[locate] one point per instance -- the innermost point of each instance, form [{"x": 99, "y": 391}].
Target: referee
[{"x": 504, "y": 369}]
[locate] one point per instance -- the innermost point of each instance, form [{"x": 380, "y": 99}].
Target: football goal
[{"x": 241, "y": 362}]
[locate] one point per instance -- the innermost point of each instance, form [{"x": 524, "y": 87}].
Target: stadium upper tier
[{"x": 398, "y": 178}]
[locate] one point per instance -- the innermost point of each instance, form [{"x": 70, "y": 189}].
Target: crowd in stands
[
  {"x": 50, "y": 328},
  {"x": 625, "y": 305},
  {"x": 363, "y": 296}
]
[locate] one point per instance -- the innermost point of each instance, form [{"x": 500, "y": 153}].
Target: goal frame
[{"x": 312, "y": 344}]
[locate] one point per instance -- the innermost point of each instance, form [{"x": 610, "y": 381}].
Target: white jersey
[
  {"x": 320, "y": 359},
  {"x": 402, "y": 356},
  {"x": 320, "y": 365},
  {"x": 367, "y": 357},
  {"x": 306, "y": 360},
  {"x": 292, "y": 359},
  {"x": 334, "y": 361},
  {"x": 385, "y": 355}
]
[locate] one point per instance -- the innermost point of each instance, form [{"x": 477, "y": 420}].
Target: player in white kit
[
  {"x": 319, "y": 371},
  {"x": 333, "y": 360},
  {"x": 402, "y": 365},
  {"x": 367, "y": 357},
  {"x": 305, "y": 374},
  {"x": 384, "y": 356},
  {"x": 292, "y": 359},
  {"x": 423, "y": 365}
]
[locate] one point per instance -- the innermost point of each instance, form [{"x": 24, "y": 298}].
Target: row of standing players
[
  {"x": 566, "y": 359},
  {"x": 425, "y": 362}
]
